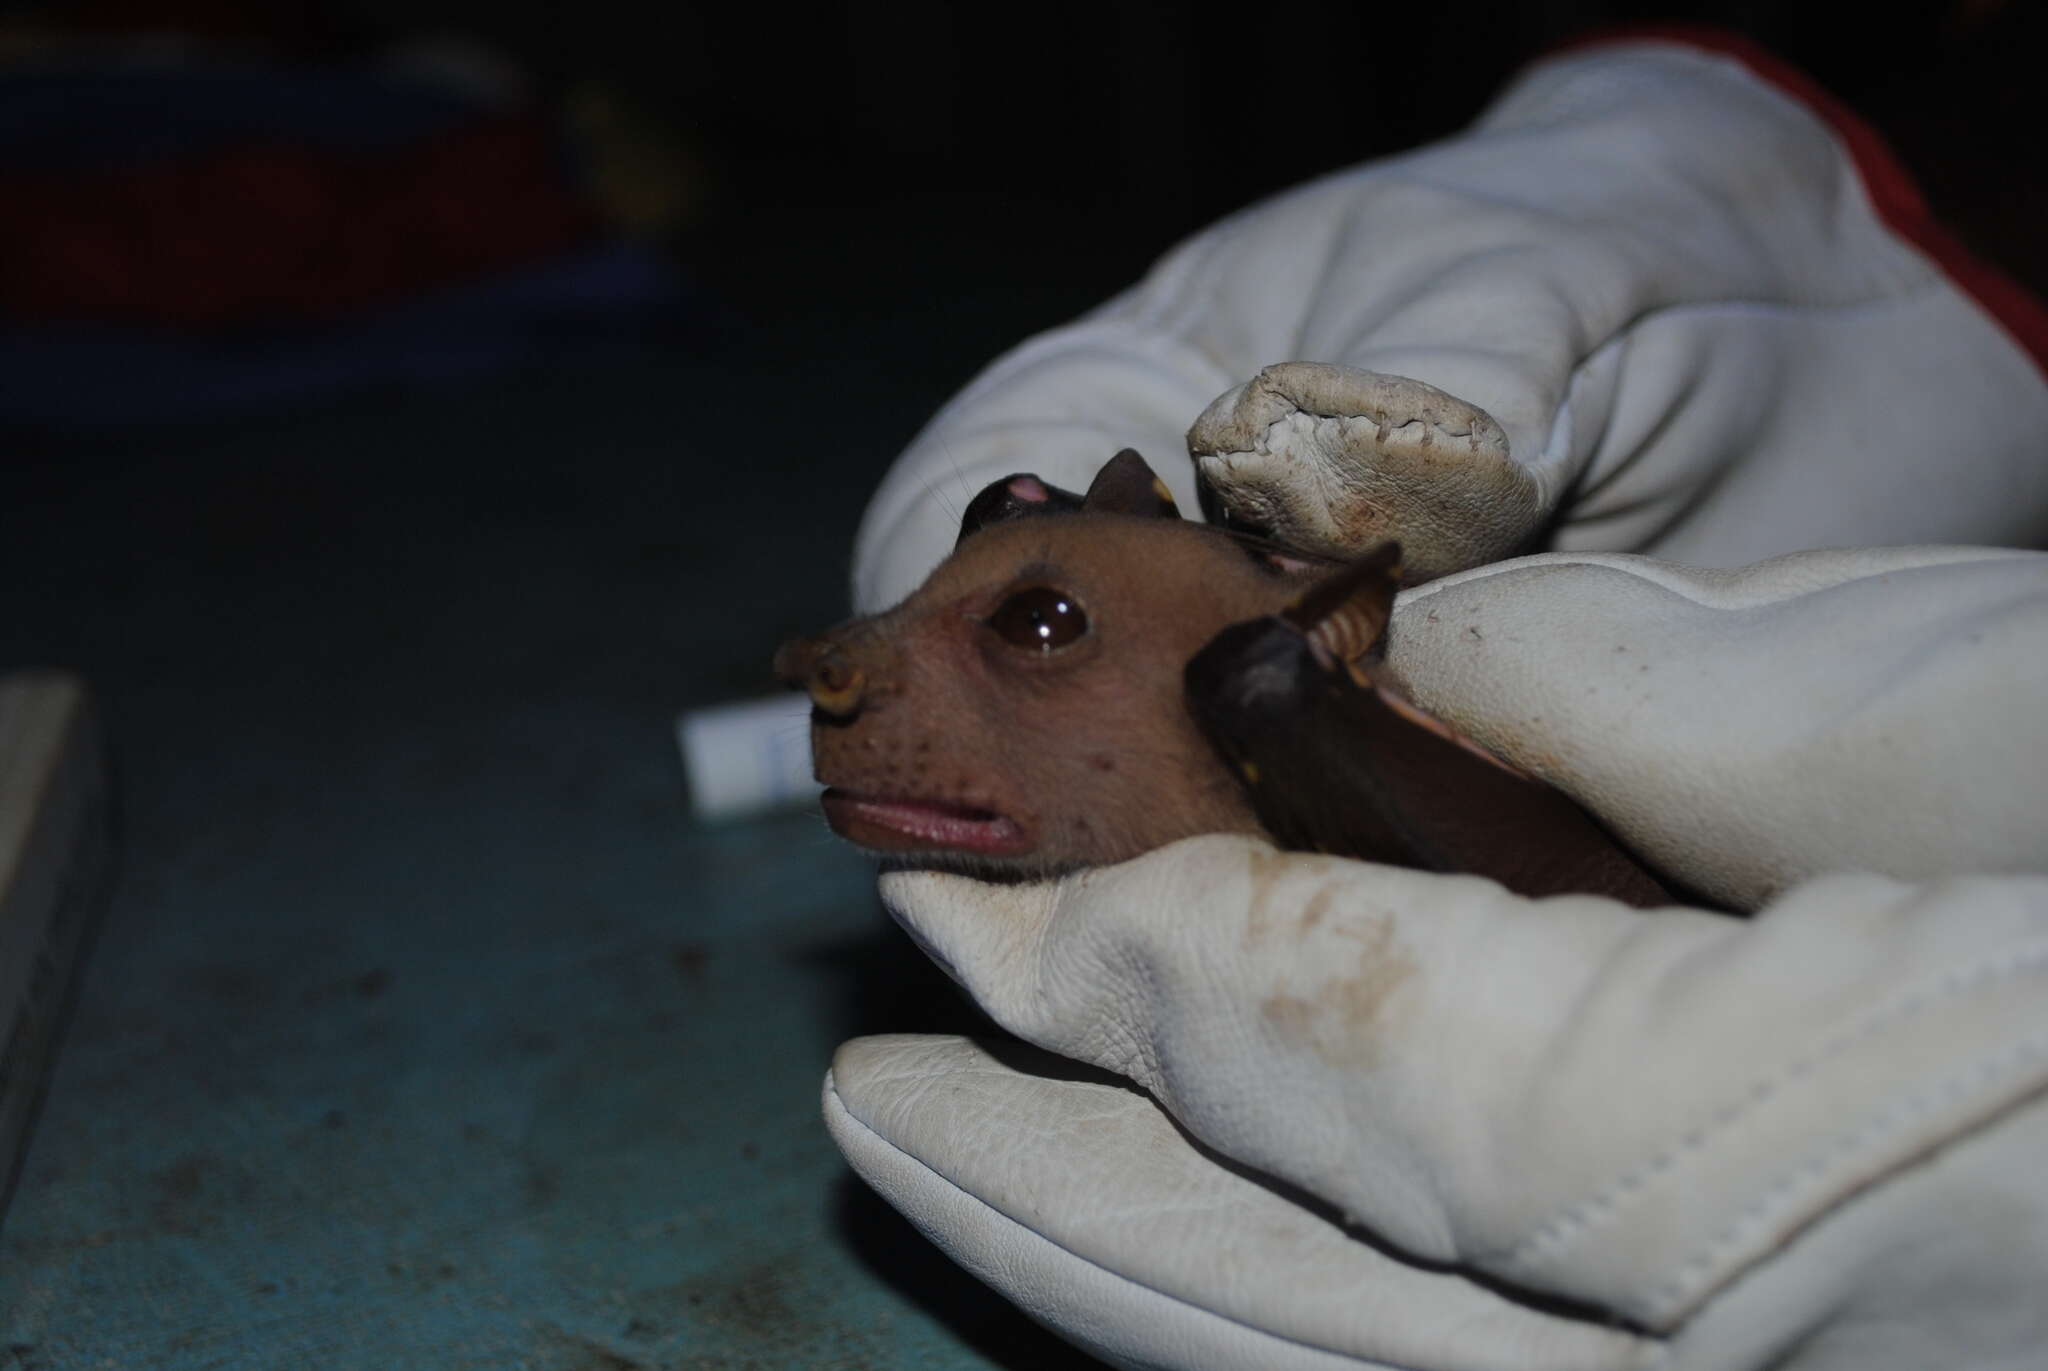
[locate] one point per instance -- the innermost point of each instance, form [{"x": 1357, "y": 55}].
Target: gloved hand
[
  {"x": 1685, "y": 310},
  {"x": 1684, "y": 315},
  {"x": 1418, "y": 1121}
]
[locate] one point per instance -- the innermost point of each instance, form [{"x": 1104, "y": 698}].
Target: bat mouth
[{"x": 890, "y": 823}]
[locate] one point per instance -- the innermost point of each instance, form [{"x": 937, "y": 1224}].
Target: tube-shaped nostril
[{"x": 836, "y": 684}]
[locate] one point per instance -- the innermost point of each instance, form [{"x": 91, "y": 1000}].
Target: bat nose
[
  {"x": 836, "y": 685},
  {"x": 822, "y": 667}
]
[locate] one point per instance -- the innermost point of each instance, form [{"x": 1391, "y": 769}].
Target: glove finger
[
  {"x": 1092, "y": 965},
  {"x": 1078, "y": 1199},
  {"x": 1333, "y": 459},
  {"x": 987, "y": 936},
  {"x": 1633, "y": 1109},
  {"x": 1716, "y": 720}
]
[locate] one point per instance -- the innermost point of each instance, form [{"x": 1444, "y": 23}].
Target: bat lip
[{"x": 900, "y": 823}]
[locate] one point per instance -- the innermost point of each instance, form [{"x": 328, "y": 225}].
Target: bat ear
[
  {"x": 1014, "y": 497},
  {"x": 1345, "y": 614},
  {"x": 1127, "y": 485}
]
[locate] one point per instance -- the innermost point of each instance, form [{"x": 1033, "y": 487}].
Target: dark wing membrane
[
  {"x": 1286, "y": 728},
  {"x": 1334, "y": 763}
]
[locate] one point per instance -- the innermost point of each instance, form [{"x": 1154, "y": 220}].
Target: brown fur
[
  {"x": 1088, "y": 678},
  {"x": 1090, "y": 749}
]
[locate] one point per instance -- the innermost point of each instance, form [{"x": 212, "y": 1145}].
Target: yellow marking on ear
[
  {"x": 1165, "y": 495},
  {"x": 1251, "y": 773}
]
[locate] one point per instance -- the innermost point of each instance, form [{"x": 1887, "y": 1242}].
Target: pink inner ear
[{"x": 1030, "y": 489}]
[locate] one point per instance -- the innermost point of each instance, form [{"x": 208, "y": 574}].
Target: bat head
[
  {"x": 1023, "y": 711},
  {"x": 1088, "y": 677}
]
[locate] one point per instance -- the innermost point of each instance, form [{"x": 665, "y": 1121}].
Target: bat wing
[{"x": 1336, "y": 762}]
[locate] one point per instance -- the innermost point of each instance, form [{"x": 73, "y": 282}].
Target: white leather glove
[
  {"x": 1563, "y": 1133},
  {"x": 1707, "y": 314}
]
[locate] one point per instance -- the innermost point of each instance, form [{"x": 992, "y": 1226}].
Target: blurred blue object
[{"x": 87, "y": 377}]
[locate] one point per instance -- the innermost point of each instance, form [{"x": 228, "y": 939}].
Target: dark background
[
  {"x": 1144, "y": 120},
  {"x": 873, "y": 200},
  {"x": 388, "y": 669}
]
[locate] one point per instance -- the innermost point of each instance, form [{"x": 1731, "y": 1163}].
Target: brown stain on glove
[{"x": 1341, "y": 1020}]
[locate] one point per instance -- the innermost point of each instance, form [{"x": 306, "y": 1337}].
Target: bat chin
[{"x": 903, "y": 825}]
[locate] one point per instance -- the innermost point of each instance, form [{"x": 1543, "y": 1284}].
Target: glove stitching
[
  {"x": 1650, "y": 1353},
  {"x": 1384, "y": 419},
  {"x": 1694, "y": 1275},
  {"x": 1569, "y": 1225}
]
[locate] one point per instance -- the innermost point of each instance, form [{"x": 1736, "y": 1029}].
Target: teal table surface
[{"x": 424, "y": 1027}]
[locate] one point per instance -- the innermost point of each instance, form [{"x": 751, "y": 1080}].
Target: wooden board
[{"x": 54, "y": 850}]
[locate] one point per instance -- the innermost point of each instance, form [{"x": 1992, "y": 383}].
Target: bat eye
[{"x": 1040, "y": 617}]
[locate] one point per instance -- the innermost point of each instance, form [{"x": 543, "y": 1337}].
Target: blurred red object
[{"x": 268, "y": 232}]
